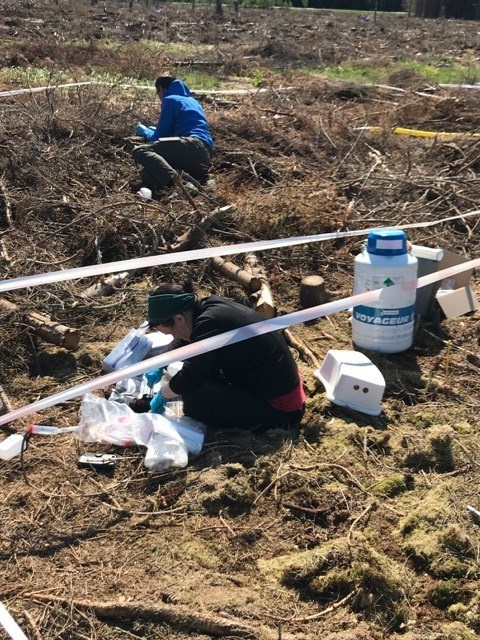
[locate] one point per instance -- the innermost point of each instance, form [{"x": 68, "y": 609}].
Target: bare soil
[{"x": 349, "y": 527}]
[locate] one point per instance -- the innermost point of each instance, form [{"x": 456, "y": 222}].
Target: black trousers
[
  {"x": 221, "y": 406},
  {"x": 159, "y": 160}
]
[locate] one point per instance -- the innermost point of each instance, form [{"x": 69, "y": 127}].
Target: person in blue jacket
[{"x": 181, "y": 140}]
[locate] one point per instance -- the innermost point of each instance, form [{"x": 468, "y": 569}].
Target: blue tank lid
[{"x": 387, "y": 242}]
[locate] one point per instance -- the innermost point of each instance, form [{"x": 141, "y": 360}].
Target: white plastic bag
[
  {"x": 129, "y": 389},
  {"x": 192, "y": 432},
  {"x": 166, "y": 449},
  {"x": 168, "y": 439},
  {"x": 107, "y": 421},
  {"x": 172, "y": 440}
]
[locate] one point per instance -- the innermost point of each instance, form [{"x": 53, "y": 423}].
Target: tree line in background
[
  {"x": 464, "y": 9},
  {"x": 467, "y": 9}
]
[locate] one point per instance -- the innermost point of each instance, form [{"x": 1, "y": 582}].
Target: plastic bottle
[
  {"x": 386, "y": 326},
  {"x": 11, "y": 446},
  {"x": 43, "y": 430}
]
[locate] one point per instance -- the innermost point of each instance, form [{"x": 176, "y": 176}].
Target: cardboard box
[
  {"x": 455, "y": 295},
  {"x": 456, "y": 302}
]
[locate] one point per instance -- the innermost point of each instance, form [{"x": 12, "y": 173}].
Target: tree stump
[{"x": 312, "y": 291}]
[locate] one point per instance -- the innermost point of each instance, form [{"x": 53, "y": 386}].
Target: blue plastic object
[{"x": 387, "y": 242}]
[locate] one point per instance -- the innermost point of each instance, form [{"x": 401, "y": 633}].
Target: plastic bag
[
  {"x": 129, "y": 390},
  {"x": 165, "y": 449},
  {"x": 172, "y": 440},
  {"x": 169, "y": 439},
  {"x": 192, "y": 432},
  {"x": 107, "y": 421}
]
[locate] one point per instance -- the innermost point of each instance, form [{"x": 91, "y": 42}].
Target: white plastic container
[
  {"x": 352, "y": 380},
  {"x": 11, "y": 446},
  {"x": 386, "y": 326}
]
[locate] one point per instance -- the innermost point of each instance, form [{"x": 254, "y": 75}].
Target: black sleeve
[{"x": 201, "y": 367}]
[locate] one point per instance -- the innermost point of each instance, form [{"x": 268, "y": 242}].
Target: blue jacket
[{"x": 180, "y": 115}]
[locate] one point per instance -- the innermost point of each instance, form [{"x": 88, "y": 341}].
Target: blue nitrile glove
[
  {"x": 157, "y": 405},
  {"x": 153, "y": 377},
  {"x": 141, "y": 130}
]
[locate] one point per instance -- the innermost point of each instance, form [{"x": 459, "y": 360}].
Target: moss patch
[
  {"x": 334, "y": 570},
  {"x": 444, "y": 550},
  {"x": 393, "y": 485},
  {"x": 445, "y": 594}
]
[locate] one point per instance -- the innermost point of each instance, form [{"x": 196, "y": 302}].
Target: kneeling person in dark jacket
[
  {"x": 251, "y": 384},
  {"x": 181, "y": 139}
]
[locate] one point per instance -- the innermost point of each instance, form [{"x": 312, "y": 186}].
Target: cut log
[
  {"x": 312, "y": 291},
  {"x": 262, "y": 299},
  {"x": 256, "y": 284},
  {"x": 45, "y": 328},
  {"x": 107, "y": 286},
  {"x": 7, "y": 207},
  {"x": 233, "y": 272}
]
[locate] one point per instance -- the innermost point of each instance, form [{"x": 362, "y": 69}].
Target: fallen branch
[
  {"x": 163, "y": 613},
  {"x": 195, "y": 236},
  {"x": 36, "y": 635},
  {"x": 107, "y": 286},
  {"x": 178, "y": 183},
  {"x": 4, "y": 252},
  {"x": 5, "y": 404},
  {"x": 8, "y": 208},
  {"x": 357, "y": 520},
  {"x": 45, "y": 328},
  {"x": 334, "y": 606},
  {"x": 233, "y": 272},
  {"x": 302, "y": 349}
]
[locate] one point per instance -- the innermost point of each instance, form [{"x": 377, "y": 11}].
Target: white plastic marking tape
[
  {"x": 10, "y": 626},
  {"x": 243, "y": 92},
  {"x": 197, "y": 254},
  {"x": 17, "y": 92},
  {"x": 228, "y": 338}
]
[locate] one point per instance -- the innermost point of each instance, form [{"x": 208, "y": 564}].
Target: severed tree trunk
[
  {"x": 107, "y": 286},
  {"x": 45, "y": 328},
  {"x": 232, "y": 272},
  {"x": 260, "y": 285},
  {"x": 262, "y": 299},
  {"x": 5, "y": 404},
  {"x": 312, "y": 291},
  {"x": 218, "y": 9}
]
